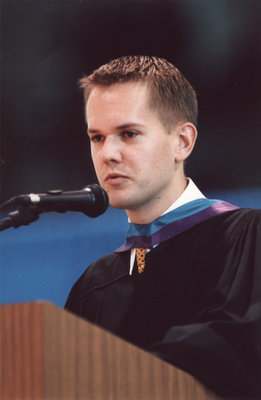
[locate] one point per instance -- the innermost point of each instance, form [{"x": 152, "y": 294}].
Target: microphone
[{"x": 91, "y": 200}]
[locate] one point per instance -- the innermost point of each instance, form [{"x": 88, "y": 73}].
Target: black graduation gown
[{"x": 197, "y": 305}]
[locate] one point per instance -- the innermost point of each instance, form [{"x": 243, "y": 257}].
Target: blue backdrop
[{"x": 43, "y": 260}]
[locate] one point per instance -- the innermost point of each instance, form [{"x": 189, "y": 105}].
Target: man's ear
[{"x": 186, "y": 138}]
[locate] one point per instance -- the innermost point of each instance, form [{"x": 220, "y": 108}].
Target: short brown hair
[{"x": 170, "y": 93}]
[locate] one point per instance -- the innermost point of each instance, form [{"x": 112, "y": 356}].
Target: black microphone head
[{"x": 99, "y": 202}]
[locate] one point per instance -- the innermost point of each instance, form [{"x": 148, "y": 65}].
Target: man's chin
[
  {"x": 118, "y": 201},
  {"x": 118, "y": 204},
  {"x": 123, "y": 199}
]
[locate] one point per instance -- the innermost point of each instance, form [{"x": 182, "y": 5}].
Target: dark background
[{"x": 47, "y": 45}]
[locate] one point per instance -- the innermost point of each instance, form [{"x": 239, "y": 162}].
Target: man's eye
[
  {"x": 96, "y": 138},
  {"x": 129, "y": 134}
]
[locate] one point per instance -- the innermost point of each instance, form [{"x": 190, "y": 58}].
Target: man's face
[{"x": 133, "y": 155}]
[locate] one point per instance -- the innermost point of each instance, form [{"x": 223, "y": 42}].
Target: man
[{"x": 186, "y": 283}]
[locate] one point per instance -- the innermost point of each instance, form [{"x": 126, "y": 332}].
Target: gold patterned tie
[{"x": 140, "y": 258}]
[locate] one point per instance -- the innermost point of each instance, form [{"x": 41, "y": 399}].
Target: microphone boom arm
[{"x": 22, "y": 216}]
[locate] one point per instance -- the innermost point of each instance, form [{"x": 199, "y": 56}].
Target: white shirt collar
[{"x": 190, "y": 193}]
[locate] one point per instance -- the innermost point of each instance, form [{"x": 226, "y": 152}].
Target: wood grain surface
[{"x": 48, "y": 353}]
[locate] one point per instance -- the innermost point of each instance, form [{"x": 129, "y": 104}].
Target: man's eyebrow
[
  {"x": 119, "y": 127},
  {"x": 89, "y": 130},
  {"x": 129, "y": 125}
]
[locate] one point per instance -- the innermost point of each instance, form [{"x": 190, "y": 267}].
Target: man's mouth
[{"x": 115, "y": 178}]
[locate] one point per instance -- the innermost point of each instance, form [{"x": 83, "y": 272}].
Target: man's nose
[{"x": 112, "y": 150}]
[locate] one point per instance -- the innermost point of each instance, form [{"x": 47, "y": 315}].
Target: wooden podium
[{"x": 48, "y": 353}]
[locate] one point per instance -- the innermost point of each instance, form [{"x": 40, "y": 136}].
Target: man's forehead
[
  {"x": 134, "y": 88},
  {"x": 122, "y": 96}
]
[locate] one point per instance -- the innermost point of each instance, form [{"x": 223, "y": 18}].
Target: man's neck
[{"x": 153, "y": 211}]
